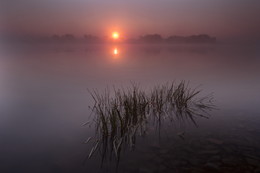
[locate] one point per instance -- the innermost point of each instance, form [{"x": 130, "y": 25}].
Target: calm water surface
[{"x": 44, "y": 103}]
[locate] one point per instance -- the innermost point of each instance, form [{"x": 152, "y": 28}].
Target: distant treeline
[
  {"x": 148, "y": 38},
  {"x": 156, "y": 38}
]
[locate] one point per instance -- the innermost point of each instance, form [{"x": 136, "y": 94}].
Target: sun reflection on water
[{"x": 115, "y": 51}]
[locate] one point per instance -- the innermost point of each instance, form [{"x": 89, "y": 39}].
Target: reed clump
[{"x": 124, "y": 113}]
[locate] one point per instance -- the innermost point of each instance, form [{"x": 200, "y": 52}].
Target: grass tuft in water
[{"x": 124, "y": 113}]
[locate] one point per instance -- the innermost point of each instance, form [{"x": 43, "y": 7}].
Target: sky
[{"x": 132, "y": 18}]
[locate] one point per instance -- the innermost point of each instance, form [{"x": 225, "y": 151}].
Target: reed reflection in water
[{"x": 123, "y": 114}]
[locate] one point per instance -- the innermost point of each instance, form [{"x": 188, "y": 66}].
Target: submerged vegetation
[{"x": 123, "y": 113}]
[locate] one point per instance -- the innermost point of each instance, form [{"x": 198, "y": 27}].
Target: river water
[{"x": 44, "y": 102}]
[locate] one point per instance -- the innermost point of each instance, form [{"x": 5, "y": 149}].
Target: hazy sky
[{"x": 221, "y": 18}]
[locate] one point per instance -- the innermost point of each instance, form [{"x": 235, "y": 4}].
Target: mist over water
[{"x": 44, "y": 103}]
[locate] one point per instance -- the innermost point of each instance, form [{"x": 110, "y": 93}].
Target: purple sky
[{"x": 221, "y": 18}]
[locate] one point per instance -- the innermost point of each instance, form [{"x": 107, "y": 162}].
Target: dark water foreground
[
  {"x": 44, "y": 104},
  {"x": 217, "y": 144},
  {"x": 233, "y": 148}
]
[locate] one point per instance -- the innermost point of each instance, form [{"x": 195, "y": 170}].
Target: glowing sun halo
[{"x": 115, "y": 35}]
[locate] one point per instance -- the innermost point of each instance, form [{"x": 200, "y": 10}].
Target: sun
[{"x": 115, "y": 35}]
